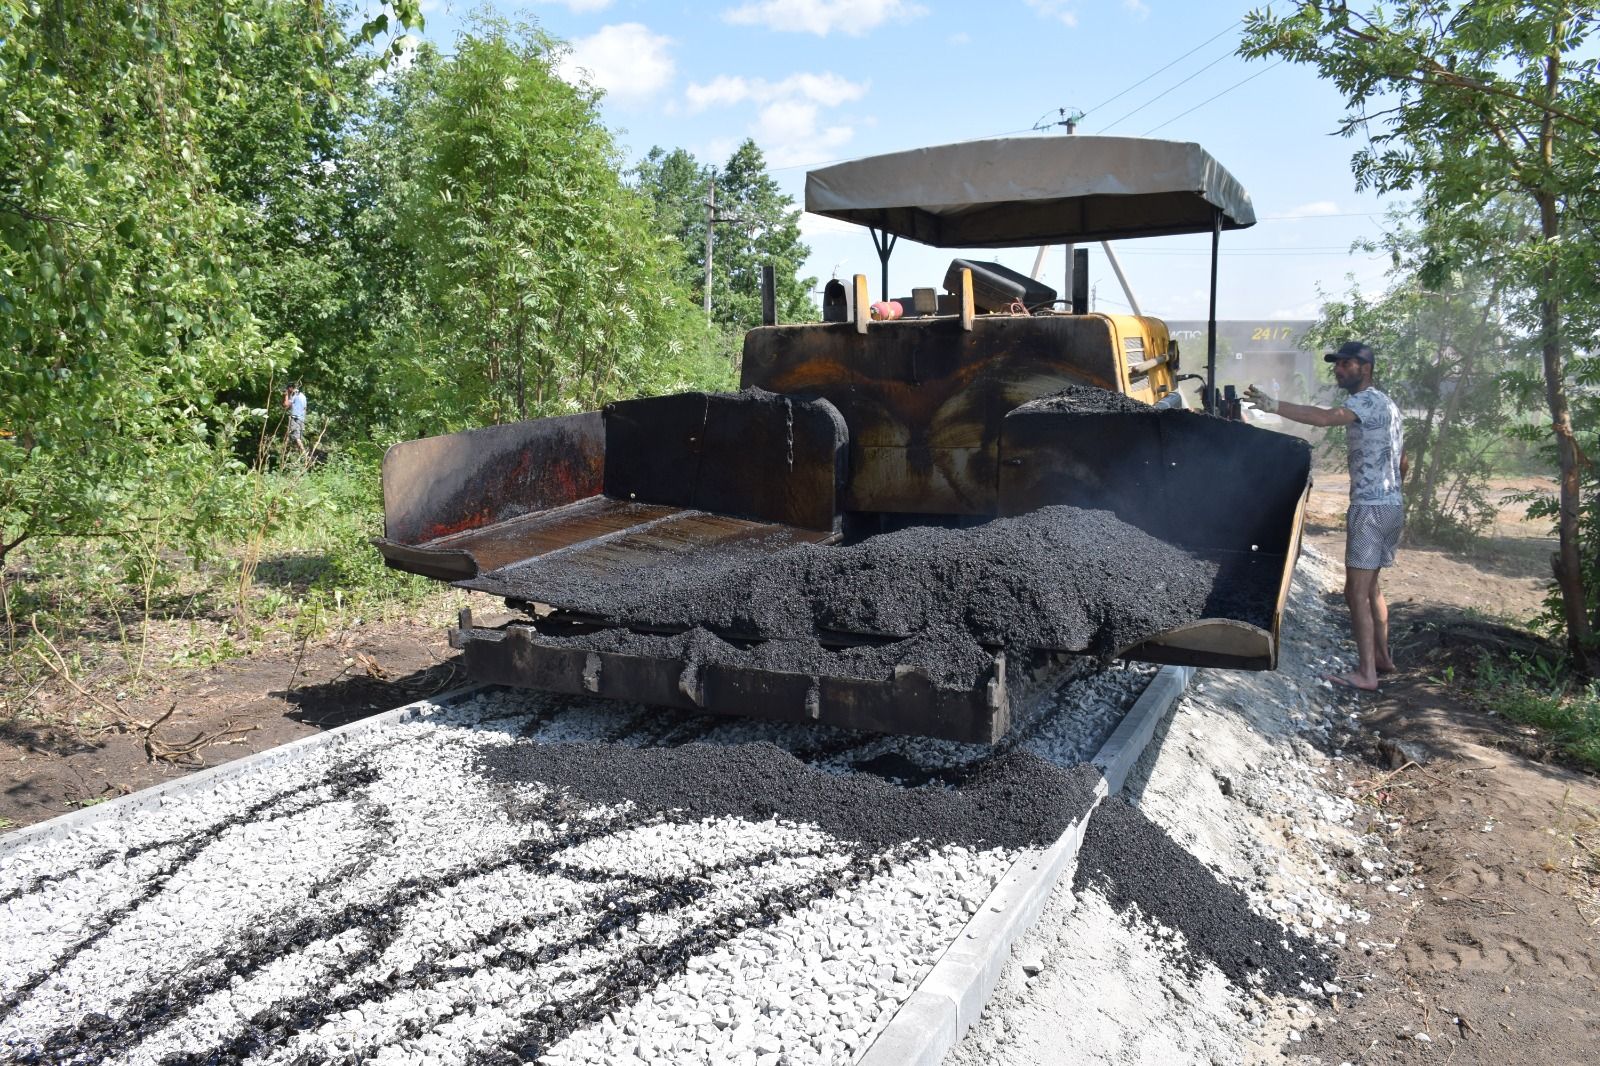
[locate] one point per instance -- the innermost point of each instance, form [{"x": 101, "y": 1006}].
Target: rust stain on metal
[{"x": 923, "y": 400}]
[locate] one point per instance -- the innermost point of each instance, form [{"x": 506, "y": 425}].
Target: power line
[
  {"x": 1170, "y": 88},
  {"x": 1206, "y": 101},
  {"x": 1159, "y": 69},
  {"x": 1253, "y": 253}
]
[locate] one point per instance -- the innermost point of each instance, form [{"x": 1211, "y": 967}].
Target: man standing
[
  {"x": 294, "y": 401},
  {"x": 1376, "y": 436}
]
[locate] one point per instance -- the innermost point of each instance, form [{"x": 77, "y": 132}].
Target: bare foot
[
  {"x": 1355, "y": 681},
  {"x": 1386, "y": 666}
]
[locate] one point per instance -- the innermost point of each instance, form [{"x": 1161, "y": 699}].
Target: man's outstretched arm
[{"x": 1304, "y": 413}]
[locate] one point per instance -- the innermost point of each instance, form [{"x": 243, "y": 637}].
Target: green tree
[
  {"x": 122, "y": 317},
  {"x": 677, "y": 186},
  {"x": 1466, "y": 104},
  {"x": 544, "y": 286},
  {"x": 126, "y": 194},
  {"x": 278, "y": 121}
]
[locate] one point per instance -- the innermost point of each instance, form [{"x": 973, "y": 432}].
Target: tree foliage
[
  {"x": 121, "y": 307},
  {"x": 199, "y": 201},
  {"x": 1469, "y": 104},
  {"x": 760, "y": 225},
  {"x": 542, "y": 285}
]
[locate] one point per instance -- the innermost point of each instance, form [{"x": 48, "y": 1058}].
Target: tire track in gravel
[
  {"x": 340, "y": 786},
  {"x": 623, "y": 984},
  {"x": 623, "y": 915},
  {"x": 620, "y": 912}
]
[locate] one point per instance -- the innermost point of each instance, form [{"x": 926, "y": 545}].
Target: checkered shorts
[{"x": 1372, "y": 532}]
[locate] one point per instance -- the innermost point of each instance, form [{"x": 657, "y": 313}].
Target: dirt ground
[{"x": 1493, "y": 955}]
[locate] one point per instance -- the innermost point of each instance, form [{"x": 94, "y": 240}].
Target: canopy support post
[
  {"x": 1122, "y": 279},
  {"x": 884, "y": 242},
  {"x": 1211, "y": 319}
]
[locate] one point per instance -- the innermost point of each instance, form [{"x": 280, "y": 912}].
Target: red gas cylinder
[{"x": 887, "y": 310}]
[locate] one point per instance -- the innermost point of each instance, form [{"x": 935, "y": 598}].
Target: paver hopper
[{"x": 846, "y": 429}]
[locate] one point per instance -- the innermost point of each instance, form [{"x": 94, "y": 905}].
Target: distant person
[
  {"x": 294, "y": 402},
  {"x": 1375, "y": 433}
]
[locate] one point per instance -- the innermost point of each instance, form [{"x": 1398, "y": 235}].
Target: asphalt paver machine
[{"x": 849, "y": 427}]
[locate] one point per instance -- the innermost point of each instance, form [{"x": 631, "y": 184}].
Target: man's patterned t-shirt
[{"x": 1376, "y": 438}]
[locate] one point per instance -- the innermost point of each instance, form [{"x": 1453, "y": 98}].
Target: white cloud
[
  {"x": 726, "y": 90},
  {"x": 960, "y": 38},
  {"x": 790, "y": 125},
  {"x": 1315, "y": 207},
  {"x": 627, "y": 60},
  {"x": 1060, "y": 10},
  {"x": 789, "y": 133},
  {"x": 822, "y": 17},
  {"x": 579, "y": 7},
  {"x": 1138, "y": 7}
]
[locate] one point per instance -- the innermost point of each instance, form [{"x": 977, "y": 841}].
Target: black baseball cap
[{"x": 1357, "y": 350}]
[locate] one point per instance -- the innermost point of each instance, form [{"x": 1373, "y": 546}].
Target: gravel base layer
[
  {"x": 409, "y": 896},
  {"x": 1061, "y": 577}
]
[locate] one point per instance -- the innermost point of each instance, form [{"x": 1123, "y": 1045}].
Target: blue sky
[{"x": 815, "y": 81}]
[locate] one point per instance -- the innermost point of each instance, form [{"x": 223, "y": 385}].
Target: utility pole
[
  {"x": 711, "y": 234},
  {"x": 712, "y": 222},
  {"x": 1068, "y": 119}
]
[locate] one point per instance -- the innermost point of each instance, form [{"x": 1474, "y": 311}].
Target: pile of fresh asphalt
[
  {"x": 1061, "y": 578},
  {"x": 1141, "y": 870},
  {"x": 1088, "y": 400},
  {"x": 1064, "y": 578},
  {"x": 1017, "y": 800}
]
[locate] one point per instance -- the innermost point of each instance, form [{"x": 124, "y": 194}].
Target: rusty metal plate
[
  {"x": 672, "y": 544},
  {"x": 466, "y": 554},
  {"x": 444, "y": 485}
]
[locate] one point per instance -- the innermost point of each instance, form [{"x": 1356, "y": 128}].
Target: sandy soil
[{"x": 1504, "y": 578}]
